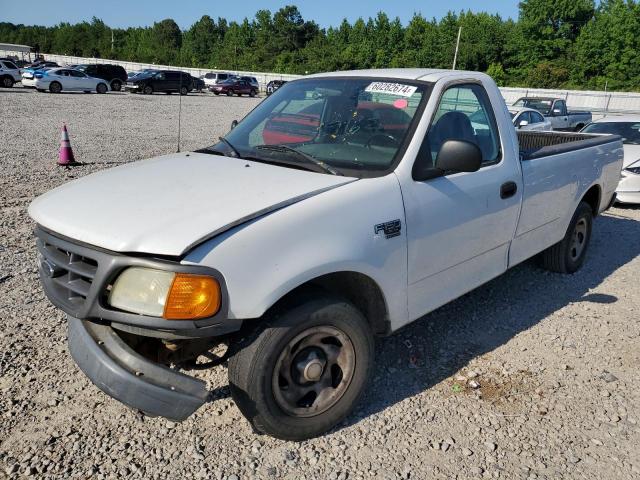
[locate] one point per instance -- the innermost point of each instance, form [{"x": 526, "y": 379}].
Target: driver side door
[{"x": 459, "y": 225}]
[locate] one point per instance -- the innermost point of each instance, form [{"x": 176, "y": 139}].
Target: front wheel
[
  {"x": 101, "y": 88},
  {"x": 7, "y": 82},
  {"x": 567, "y": 256},
  {"x": 229, "y": 93},
  {"x": 116, "y": 85},
  {"x": 147, "y": 90},
  {"x": 253, "y": 93},
  {"x": 304, "y": 371},
  {"x": 183, "y": 90},
  {"x": 55, "y": 87}
]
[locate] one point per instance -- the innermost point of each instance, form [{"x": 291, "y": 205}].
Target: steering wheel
[{"x": 388, "y": 137}]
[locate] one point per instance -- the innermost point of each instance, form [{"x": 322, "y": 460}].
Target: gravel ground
[{"x": 553, "y": 359}]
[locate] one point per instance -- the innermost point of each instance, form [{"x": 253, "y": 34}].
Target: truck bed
[{"x": 543, "y": 144}]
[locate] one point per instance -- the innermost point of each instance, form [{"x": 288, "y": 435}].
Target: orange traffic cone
[{"x": 66, "y": 154}]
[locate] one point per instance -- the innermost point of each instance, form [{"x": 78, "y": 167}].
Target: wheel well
[
  {"x": 592, "y": 197},
  {"x": 359, "y": 289}
]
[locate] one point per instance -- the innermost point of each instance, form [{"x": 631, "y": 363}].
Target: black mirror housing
[
  {"x": 459, "y": 156},
  {"x": 234, "y": 124}
]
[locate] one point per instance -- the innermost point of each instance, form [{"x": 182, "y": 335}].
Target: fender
[{"x": 353, "y": 228}]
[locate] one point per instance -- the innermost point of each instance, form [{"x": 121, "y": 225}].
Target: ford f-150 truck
[
  {"x": 555, "y": 110},
  {"x": 344, "y": 206}
]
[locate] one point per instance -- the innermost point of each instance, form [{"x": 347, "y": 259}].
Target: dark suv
[
  {"x": 167, "y": 81},
  {"x": 114, "y": 74}
]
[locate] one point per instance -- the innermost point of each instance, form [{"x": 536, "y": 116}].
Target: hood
[
  {"x": 168, "y": 204},
  {"x": 631, "y": 155}
]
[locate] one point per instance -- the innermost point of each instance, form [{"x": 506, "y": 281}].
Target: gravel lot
[{"x": 556, "y": 357}]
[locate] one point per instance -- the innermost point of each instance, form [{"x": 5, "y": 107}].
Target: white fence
[{"x": 600, "y": 103}]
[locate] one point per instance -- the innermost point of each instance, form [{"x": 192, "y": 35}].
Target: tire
[
  {"x": 102, "y": 88},
  {"x": 229, "y": 93},
  {"x": 277, "y": 406},
  {"x": 252, "y": 93},
  {"x": 7, "y": 82},
  {"x": 116, "y": 85},
  {"x": 239, "y": 94},
  {"x": 55, "y": 87},
  {"x": 216, "y": 93},
  {"x": 184, "y": 90},
  {"x": 567, "y": 256},
  {"x": 147, "y": 90}
]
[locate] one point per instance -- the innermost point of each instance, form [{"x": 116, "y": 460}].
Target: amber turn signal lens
[{"x": 191, "y": 297}]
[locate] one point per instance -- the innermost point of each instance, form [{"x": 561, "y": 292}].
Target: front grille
[{"x": 66, "y": 273}]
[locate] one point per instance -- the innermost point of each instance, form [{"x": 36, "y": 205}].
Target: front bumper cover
[{"x": 125, "y": 375}]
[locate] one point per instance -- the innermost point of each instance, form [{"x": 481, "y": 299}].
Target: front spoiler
[{"x": 125, "y": 375}]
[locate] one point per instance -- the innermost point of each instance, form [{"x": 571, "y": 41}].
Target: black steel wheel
[
  {"x": 303, "y": 371},
  {"x": 116, "y": 85},
  {"x": 568, "y": 255}
]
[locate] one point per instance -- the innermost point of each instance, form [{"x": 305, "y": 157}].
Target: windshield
[
  {"x": 629, "y": 131},
  {"x": 354, "y": 125},
  {"x": 540, "y": 104}
]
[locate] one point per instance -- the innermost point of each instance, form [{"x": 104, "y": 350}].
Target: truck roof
[{"x": 423, "y": 74}]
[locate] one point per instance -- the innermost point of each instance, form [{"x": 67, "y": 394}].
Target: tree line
[{"x": 552, "y": 44}]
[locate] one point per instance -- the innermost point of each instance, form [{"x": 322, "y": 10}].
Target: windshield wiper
[
  {"x": 230, "y": 145},
  {"x": 308, "y": 158}
]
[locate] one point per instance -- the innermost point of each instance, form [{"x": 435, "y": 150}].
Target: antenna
[
  {"x": 179, "y": 109},
  {"x": 455, "y": 56}
]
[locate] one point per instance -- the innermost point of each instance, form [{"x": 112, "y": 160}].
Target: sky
[{"x": 127, "y": 13}]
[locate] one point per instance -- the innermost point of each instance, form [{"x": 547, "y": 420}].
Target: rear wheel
[
  {"x": 184, "y": 90},
  {"x": 253, "y": 93},
  {"x": 116, "y": 85},
  {"x": 102, "y": 88},
  {"x": 55, "y": 87},
  {"x": 567, "y": 256},
  {"x": 147, "y": 90},
  {"x": 229, "y": 93},
  {"x": 303, "y": 371},
  {"x": 216, "y": 93},
  {"x": 7, "y": 81}
]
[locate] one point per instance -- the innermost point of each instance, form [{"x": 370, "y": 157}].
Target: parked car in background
[
  {"x": 197, "y": 84},
  {"x": 42, "y": 64},
  {"x": 212, "y": 78},
  {"x": 555, "y": 110},
  {"x": 253, "y": 81},
  {"x": 28, "y": 78},
  {"x": 115, "y": 75},
  {"x": 57, "y": 80},
  {"x": 529, "y": 119},
  {"x": 234, "y": 86},
  {"x": 131, "y": 75},
  {"x": 166, "y": 81},
  {"x": 9, "y": 73},
  {"x": 273, "y": 85},
  {"x": 297, "y": 255},
  {"x": 628, "y": 127}
]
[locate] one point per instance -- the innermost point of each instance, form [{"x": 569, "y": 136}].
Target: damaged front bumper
[{"x": 125, "y": 375}]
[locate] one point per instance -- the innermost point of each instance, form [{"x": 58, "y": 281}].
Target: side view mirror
[
  {"x": 522, "y": 123},
  {"x": 557, "y": 111},
  {"x": 459, "y": 156},
  {"x": 234, "y": 124}
]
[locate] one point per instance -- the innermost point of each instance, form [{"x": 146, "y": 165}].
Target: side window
[
  {"x": 75, "y": 73},
  {"x": 159, "y": 76},
  {"x": 464, "y": 113},
  {"x": 536, "y": 117},
  {"x": 562, "y": 106},
  {"x": 524, "y": 116},
  {"x": 10, "y": 65}
]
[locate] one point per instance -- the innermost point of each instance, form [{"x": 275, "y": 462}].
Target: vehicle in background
[
  {"x": 555, "y": 110},
  {"x": 57, "y": 80},
  {"x": 28, "y": 78},
  {"x": 296, "y": 255},
  {"x": 273, "y": 85},
  {"x": 38, "y": 64},
  {"x": 115, "y": 75},
  {"x": 131, "y": 75},
  {"x": 212, "y": 78},
  {"x": 628, "y": 127},
  {"x": 253, "y": 81},
  {"x": 529, "y": 119},
  {"x": 16, "y": 61},
  {"x": 234, "y": 86},
  {"x": 197, "y": 84},
  {"x": 9, "y": 73},
  {"x": 166, "y": 81}
]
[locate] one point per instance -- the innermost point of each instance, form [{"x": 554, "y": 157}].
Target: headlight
[{"x": 174, "y": 296}]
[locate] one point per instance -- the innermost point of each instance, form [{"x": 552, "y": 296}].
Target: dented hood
[{"x": 168, "y": 204}]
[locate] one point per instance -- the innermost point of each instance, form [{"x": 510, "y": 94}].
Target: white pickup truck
[{"x": 343, "y": 207}]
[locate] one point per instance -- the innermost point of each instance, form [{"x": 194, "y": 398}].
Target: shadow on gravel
[
  {"x": 435, "y": 347},
  {"x": 16, "y": 90}
]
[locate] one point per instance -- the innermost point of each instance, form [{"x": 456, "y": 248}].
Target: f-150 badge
[{"x": 390, "y": 229}]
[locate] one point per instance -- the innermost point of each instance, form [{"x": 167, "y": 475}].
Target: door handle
[{"x": 508, "y": 189}]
